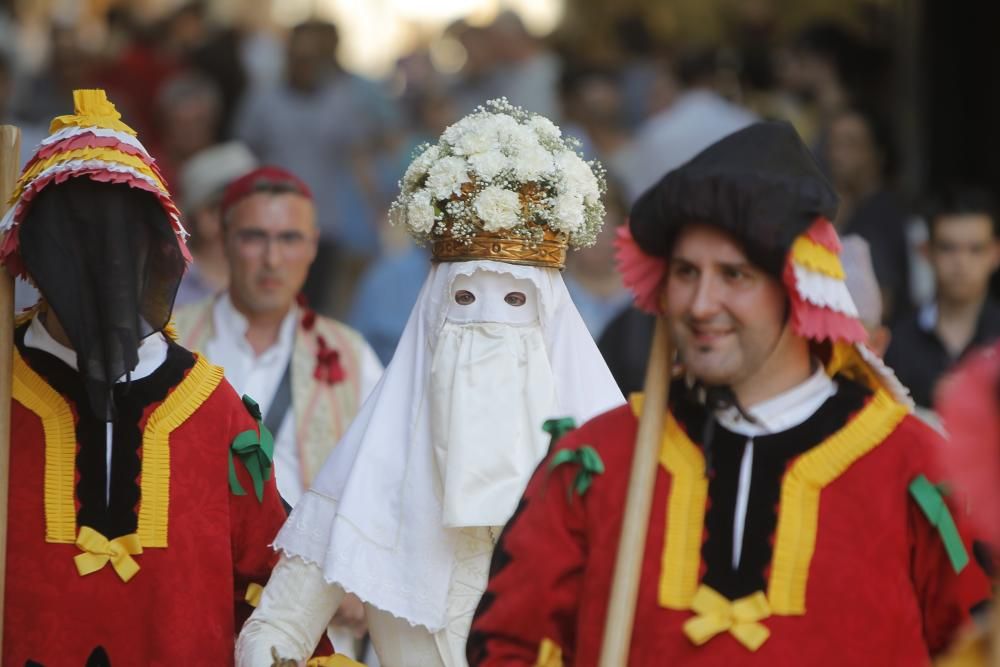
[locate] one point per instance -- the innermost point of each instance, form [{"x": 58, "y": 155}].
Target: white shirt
[
  {"x": 780, "y": 413},
  {"x": 259, "y": 377}
]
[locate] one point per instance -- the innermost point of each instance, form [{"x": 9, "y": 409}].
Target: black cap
[{"x": 760, "y": 184}]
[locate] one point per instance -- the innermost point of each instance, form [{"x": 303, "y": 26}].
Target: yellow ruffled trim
[
  {"x": 105, "y": 154},
  {"x": 170, "y": 331},
  {"x": 812, "y": 255},
  {"x": 798, "y": 516},
  {"x": 31, "y": 391},
  {"x": 91, "y": 108},
  {"x": 681, "y": 560},
  {"x": 180, "y": 404},
  {"x": 549, "y": 654}
]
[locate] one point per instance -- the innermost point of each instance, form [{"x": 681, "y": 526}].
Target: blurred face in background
[
  {"x": 311, "y": 55},
  {"x": 271, "y": 241},
  {"x": 964, "y": 254},
  {"x": 855, "y": 160}
]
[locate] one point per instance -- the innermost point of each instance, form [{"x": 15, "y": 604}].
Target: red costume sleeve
[
  {"x": 544, "y": 543},
  {"x": 253, "y": 525},
  {"x": 946, "y": 597}
]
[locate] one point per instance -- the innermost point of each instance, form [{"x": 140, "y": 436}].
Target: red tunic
[
  {"x": 202, "y": 544},
  {"x": 878, "y": 589}
]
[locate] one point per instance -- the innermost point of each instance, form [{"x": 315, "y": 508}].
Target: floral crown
[{"x": 502, "y": 184}]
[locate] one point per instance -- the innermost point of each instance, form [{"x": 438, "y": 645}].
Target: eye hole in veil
[{"x": 464, "y": 297}]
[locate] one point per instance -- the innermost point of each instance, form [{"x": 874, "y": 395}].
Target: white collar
[
  {"x": 152, "y": 350},
  {"x": 231, "y": 324},
  {"x": 782, "y": 412}
]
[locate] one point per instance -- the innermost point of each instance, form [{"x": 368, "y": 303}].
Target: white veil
[{"x": 373, "y": 520}]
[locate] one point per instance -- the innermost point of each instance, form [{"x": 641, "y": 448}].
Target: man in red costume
[
  {"x": 796, "y": 518},
  {"x": 141, "y": 500}
]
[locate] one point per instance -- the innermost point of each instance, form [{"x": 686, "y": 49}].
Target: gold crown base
[{"x": 548, "y": 254}]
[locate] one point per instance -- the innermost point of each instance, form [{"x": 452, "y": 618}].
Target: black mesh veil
[{"x": 108, "y": 264}]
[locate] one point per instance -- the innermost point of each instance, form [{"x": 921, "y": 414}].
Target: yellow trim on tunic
[
  {"x": 798, "y": 517},
  {"x": 180, "y": 404},
  {"x": 798, "y": 514},
  {"x": 59, "y": 426}
]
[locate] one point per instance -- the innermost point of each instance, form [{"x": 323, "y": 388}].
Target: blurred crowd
[{"x": 211, "y": 102}]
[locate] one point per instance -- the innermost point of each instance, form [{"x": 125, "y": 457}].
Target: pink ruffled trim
[
  {"x": 9, "y": 255},
  {"x": 817, "y": 323},
  {"x": 89, "y": 141},
  {"x": 823, "y": 233},
  {"x": 643, "y": 274}
]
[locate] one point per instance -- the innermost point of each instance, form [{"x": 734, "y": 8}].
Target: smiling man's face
[{"x": 727, "y": 316}]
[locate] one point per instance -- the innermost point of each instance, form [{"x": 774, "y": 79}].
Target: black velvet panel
[
  {"x": 119, "y": 517},
  {"x": 772, "y": 455}
]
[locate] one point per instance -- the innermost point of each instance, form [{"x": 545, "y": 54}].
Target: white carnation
[
  {"x": 506, "y": 128},
  {"x": 544, "y": 128},
  {"x": 447, "y": 176},
  {"x": 454, "y": 132},
  {"x": 419, "y": 167},
  {"x": 477, "y": 140},
  {"x": 568, "y": 212},
  {"x": 420, "y": 212},
  {"x": 487, "y": 165},
  {"x": 498, "y": 208},
  {"x": 531, "y": 160},
  {"x": 577, "y": 177}
]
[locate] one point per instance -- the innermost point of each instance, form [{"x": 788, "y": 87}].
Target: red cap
[{"x": 262, "y": 179}]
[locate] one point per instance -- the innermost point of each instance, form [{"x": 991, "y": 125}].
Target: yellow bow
[
  {"x": 98, "y": 550},
  {"x": 717, "y": 614}
]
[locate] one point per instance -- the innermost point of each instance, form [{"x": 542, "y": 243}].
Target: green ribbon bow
[
  {"x": 590, "y": 464},
  {"x": 256, "y": 449},
  {"x": 557, "y": 428},
  {"x": 931, "y": 501}
]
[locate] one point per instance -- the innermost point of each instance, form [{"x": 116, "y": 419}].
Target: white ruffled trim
[
  {"x": 362, "y": 567},
  {"x": 104, "y": 165},
  {"x": 823, "y": 291},
  {"x": 8, "y": 219},
  {"x": 886, "y": 374},
  {"x": 74, "y": 131}
]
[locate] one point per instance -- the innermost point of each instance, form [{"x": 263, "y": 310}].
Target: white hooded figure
[{"x": 407, "y": 509}]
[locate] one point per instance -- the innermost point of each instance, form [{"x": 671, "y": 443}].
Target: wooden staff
[
  {"x": 632, "y": 542},
  {"x": 10, "y": 154}
]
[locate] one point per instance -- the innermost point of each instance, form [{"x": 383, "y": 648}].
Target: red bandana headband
[{"x": 262, "y": 178}]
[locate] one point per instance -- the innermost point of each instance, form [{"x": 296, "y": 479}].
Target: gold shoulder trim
[{"x": 180, "y": 404}]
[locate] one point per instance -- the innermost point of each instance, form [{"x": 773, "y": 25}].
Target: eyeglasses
[{"x": 255, "y": 242}]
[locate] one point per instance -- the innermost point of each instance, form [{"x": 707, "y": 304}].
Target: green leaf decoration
[{"x": 931, "y": 502}]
